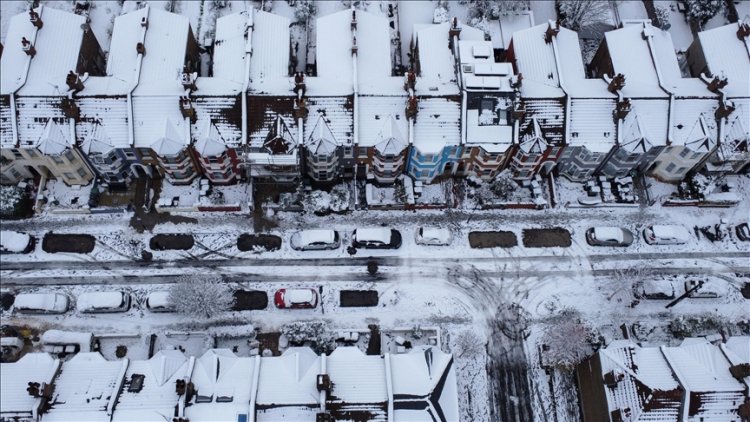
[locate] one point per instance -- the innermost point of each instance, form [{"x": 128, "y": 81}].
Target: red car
[{"x": 295, "y": 298}]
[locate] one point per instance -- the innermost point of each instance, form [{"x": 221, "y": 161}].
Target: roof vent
[
  {"x": 480, "y": 51},
  {"x": 324, "y": 383},
  {"x": 611, "y": 378}
]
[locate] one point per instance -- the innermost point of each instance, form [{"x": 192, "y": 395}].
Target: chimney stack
[{"x": 27, "y": 47}]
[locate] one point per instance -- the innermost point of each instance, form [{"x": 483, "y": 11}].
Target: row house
[
  {"x": 328, "y": 133},
  {"x": 45, "y": 54},
  {"x": 436, "y": 149},
  {"x": 670, "y": 126},
  {"x": 721, "y": 57},
  {"x": 384, "y": 125},
  {"x": 542, "y": 109},
  {"x": 275, "y": 115},
  {"x": 489, "y": 128}
]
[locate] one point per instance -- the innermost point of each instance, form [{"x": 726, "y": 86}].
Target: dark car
[
  {"x": 743, "y": 232},
  {"x": 376, "y": 238}
]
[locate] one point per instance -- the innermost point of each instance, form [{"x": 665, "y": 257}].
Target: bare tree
[
  {"x": 567, "y": 341},
  {"x": 578, "y": 14},
  {"x": 200, "y": 297},
  {"x": 468, "y": 344},
  {"x": 492, "y": 9}
]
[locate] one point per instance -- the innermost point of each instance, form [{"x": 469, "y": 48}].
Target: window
[
  {"x": 32, "y": 153},
  {"x": 18, "y": 154},
  {"x": 57, "y": 160},
  {"x": 681, "y": 170},
  {"x": 695, "y": 155},
  {"x": 70, "y": 156},
  {"x": 130, "y": 155},
  {"x": 684, "y": 152},
  {"x": 68, "y": 176},
  {"x": 670, "y": 167},
  {"x": 82, "y": 172}
]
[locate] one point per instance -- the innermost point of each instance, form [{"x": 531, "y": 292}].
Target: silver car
[
  {"x": 317, "y": 239},
  {"x": 609, "y": 236}
]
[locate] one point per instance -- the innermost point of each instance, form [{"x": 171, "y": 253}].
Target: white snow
[
  {"x": 373, "y": 234},
  {"x": 13, "y": 241},
  {"x": 45, "y": 302},
  {"x": 32, "y": 367},
  {"x": 94, "y": 301},
  {"x": 59, "y": 337}
]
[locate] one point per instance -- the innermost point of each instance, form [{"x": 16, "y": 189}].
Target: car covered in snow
[
  {"x": 16, "y": 242},
  {"x": 656, "y": 289},
  {"x": 103, "y": 302},
  {"x": 743, "y": 232},
  {"x": 295, "y": 298},
  {"x": 41, "y": 303},
  {"x": 709, "y": 289},
  {"x": 376, "y": 238},
  {"x": 666, "y": 235},
  {"x": 316, "y": 239},
  {"x": 434, "y": 236},
  {"x": 159, "y": 302},
  {"x": 609, "y": 236}
]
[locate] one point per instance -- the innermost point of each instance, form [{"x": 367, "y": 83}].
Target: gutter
[
  {"x": 13, "y": 110},
  {"x": 118, "y": 387},
  {"x": 139, "y": 62}
]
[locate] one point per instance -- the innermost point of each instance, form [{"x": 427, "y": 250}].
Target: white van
[
  {"x": 41, "y": 303},
  {"x": 666, "y": 235},
  {"x": 159, "y": 302},
  {"x": 103, "y": 302}
]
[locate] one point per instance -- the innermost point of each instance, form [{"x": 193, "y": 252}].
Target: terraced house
[{"x": 46, "y": 54}]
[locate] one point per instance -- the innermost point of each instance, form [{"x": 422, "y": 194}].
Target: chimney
[
  {"x": 454, "y": 31},
  {"x": 623, "y": 108},
  {"x": 33, "y": 389},
  {"x": 299, "y": 84},
  {"x": 70, "y": 109},
  {"x": 519, "y": 109},
  {"x": 551, "y": 31},
  {"x": 354, "y": 20},
  {"x": 140, "y": 48},
  {"x": 611, "y": 378},
  {"x": 354, "y": 45},
  {"x": 411, "y": 107},
  {"x": 186, "y": 108},
  {"x": 740, "y": 371},
  {"x": 324, "y": 383},
  {"x": 617, "y": 83},
  {"x": 300, "y": 108},
  {"x": 743, "y": 31},
  {"x": 74, "y": 81},
  {"x": 725, "y": 109},
  {"x": 180, "y": 387},
  {"x": 717, "y": 83},
  {"x": 517, "y": 81},
  {"x": 187, "y": 80},
  {"x": 35, "y": 19},
  {"x": 411, "y": 81},
  {"x": 27, "y": 47}
]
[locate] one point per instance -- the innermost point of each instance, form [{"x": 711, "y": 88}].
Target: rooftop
[{"x": 728, "y": 55}]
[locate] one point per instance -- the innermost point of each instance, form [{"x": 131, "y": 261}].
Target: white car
[
  {"x": 41, "y": 303},
  {"x": 103, "y": 302},
  {"x": 434, "y": 236},
  {"x": 666, "y": 235},
  {"x": 376, "y": 238},
  {"x": 15, "y": 242},
  {"x": 609, "y": 236},
  {"x": 316, "y": 239},
  {"x": 159, "y": 302},
  {"x": 295, "y": 298}
]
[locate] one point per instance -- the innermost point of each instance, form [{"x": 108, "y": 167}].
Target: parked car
[
  {"x": 609, "y": 236},
  {"x": 103, "y": 302},
  {"x": 41, "y": 303},
  {"x": 743, "y": 232},
  {"x": 434, "y": 236},
  {"x": 295, "y": 298},
  {"x": 159, "y": 302},
  {"x": 709, "y": 289},
  {"x": 317, "y": 239},
  {"x": 376, "y": 238},
  {"x": 666, "y": 235},
  {"x": 657, "y": 289},
  {"x": 16, "y": 242}
]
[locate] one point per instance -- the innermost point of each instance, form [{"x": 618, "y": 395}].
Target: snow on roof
[
  {"x": 492, "y": 138},
  {"x": 701, "y": 367},
  {"x": 99, "y": 86},
  {"x": 210, "y": 142},
  {"x": 356, "y": 377},
  {"x": 333, "y": 51},
  {"x": 271, "y": 51},
  {"x": 425, "y": 375},
  {"x": 728, "y": 55},
  {"x": 631, "y": 56},
  {"x": 654, "y": 118},
  {"x": 222, "y": 382},
  {"x": 436, "y": 61},
  {"x": 106, "y": 122},
  {"x": 591, "y": 124},
  {"x": 97, "y": 141},
  {"x": 299, "y": 295},
  {"x": 509, "y": 25},
  {"x": 337, "y": 117},
  {"x": 157, "y": 399},
  {"x": 14, "y": 241},
  {"x": 693, "y": 122},
  {"x": 32, "y": 367},
  {"x": 634, "y": 136},
  {"x": 605, "y": 233},
  {"x": 122, "y": 59},
  {"x": 373, "y": 234},
  {"x": 57, "y": 45},
  {"x": 229, "y": 48},
  {"x": 47, "y": 301},
  {"x": 379, "y": 117},
  {"x": 374, "y": 44},
  {"x": 83, "y": 340},
  {"x": 289, "y": 379},
  {"x": 170, "y": 142},
  {"x": 155, "y": 118},
  {"x": 737, "y": 351},
  {"x": 321, "y": 140},
  {"x": 392, "y": 141},
  {"x": 438, "y": 124},
  {"x": 85, "y": 386},
  {"x": 53, "y": 141},
  {"x": 223, "y": 112},
  {"x": 288, "y": 413},
  {"x": 533, "y": 141},
  {"x": 166, "y": 44},
  {"x": 535, "y": 59},
  {"x": 99, "y": 300}
]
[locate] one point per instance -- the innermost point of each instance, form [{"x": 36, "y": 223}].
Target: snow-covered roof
[
  {"x": 229, "y": 47},
  {"x": 210, "y": 142},
  {"x": 701, "y": 135},
  {"x": 591, "y": 123},
  {"x": 156, "y": 118},
  {"x": 535, "y": 59},
  {"x": 728, "y": 55},
  {"x": 438, "y": 124},
  {"x": 83, "y": 340},
  {"x": 269, "y": 65},
  {"x": 424, "y": 384},
  {"x": 436, "y": 61},
  {"x": 53, "y": 141},
  {"x": 289, "y": 379},
  {"x": 85, "y": 387},
  {"x": 379, "y": 117},
  {"x": 492, "y": 138},
  {"x": 122, "y": 59},
  {"x": 169, "y": 140},
  {"x": 654, "y": 118},
  {"x": 57, "y": 45},
  {"x": 321, "y": 140},
  {"x": 166, "y": 43},
  {"x": 97, "y": 140},
  {"x": 634, "y": 136},
  {"x": 392, "y": 141},
  {"x": 631, "y": 56},
  {"x": 223, "y": 383},
  {"x": 333, "y": 50},
  {"x": 329, "y": 118},
  {"x": 156, "y": 400},
  {"x": 32, "y": 367},
  {"x": 533, "y": 140},
  {"x": 357, "y": 378}
]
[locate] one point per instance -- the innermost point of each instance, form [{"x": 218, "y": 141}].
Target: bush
[
  {"x": 321, "y": 339},
  {"x": 703, "y": 10},
  {"x": 200, "y": 298},
  {"x": 693, "y": 325}
]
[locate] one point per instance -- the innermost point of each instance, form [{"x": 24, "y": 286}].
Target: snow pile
[{"x": 58, "y": 337}]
